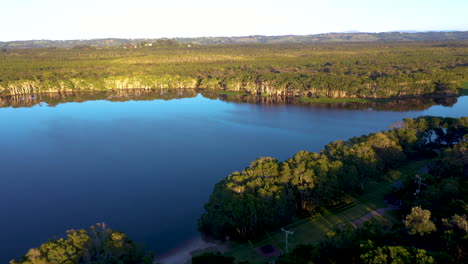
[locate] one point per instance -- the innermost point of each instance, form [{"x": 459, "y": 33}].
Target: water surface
[{"x": 147, "y": 167}]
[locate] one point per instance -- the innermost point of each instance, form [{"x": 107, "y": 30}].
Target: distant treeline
[
  {"x": 269, "y": 194},
  {"x": 256, "y": 39},
  {"x": 351, "y": 70}
]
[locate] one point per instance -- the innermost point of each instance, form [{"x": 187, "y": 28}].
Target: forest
[
  {"x": 306, "y": 71},
  {"x": 429, "y": 224}
]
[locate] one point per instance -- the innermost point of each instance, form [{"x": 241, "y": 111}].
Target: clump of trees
[
  {"x": 99, "y": 244},
  {"x": 268, "y": 193},
  {"x": 418, "y": 222}
]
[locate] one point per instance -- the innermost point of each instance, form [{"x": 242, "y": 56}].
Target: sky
[{"x": 88, "y": 19}]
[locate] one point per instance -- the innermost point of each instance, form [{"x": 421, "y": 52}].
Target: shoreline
[
  {"x": 183, "y": 252},
  {"x": 392, "y": 104}
]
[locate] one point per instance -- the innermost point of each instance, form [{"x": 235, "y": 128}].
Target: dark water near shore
[{"x": 147, "y": 167}]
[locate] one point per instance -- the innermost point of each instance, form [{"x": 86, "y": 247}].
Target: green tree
[
  {"x": 298, "y": 175},
  {"x": 419, "y": 222},
  {"x": 98, "y": 245},
  {"x": 455, "y": 237}
]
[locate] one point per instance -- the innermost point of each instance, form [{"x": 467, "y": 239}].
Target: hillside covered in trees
[{"x": 307, "y": 71}]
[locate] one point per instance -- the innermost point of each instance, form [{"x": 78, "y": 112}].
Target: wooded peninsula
[{"x": 310, "y": 71}]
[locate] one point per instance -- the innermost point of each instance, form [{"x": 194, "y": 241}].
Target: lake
[{"x": 147, "y": 167}]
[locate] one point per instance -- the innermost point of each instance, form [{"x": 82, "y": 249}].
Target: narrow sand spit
[{"x": 182, "y": 254}]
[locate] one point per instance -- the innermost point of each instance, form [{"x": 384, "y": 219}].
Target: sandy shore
[{"x": 182, "y": 254}]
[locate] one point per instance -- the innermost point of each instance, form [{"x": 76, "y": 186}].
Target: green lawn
[{"x": 311, "y": 230}]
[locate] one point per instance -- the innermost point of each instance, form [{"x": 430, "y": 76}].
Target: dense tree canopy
[{"x": 365, "y": 70}]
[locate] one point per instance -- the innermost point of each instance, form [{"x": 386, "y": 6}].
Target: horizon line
[{"x": 255, "y": 35}]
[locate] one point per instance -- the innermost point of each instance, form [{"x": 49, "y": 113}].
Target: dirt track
[{"x": 378, "y": 212}]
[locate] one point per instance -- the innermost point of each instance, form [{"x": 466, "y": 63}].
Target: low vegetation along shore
[
  {"x": 397, "y": 196},
  {"x": 355, "y": 71}
]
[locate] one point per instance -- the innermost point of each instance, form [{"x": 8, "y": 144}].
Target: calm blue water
[{"x": 147, "y": 167}]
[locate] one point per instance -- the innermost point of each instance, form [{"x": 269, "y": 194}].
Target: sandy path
[
  {"x": 181, "y": 255},
  {"x": 378, "y": 212}
]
